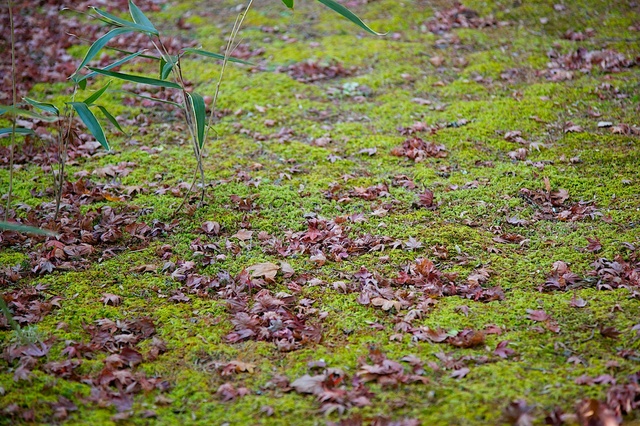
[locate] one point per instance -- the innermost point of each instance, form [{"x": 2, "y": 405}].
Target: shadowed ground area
[{"x": 435, "y": 226}]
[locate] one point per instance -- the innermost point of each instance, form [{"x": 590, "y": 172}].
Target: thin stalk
[
  {"x": 227, "y": 53},
  {"x": 190, "y": 119},
  {"x": 13, "y": 115},
  {"x": 63, "y": 145},
  {"x": 57, "y": 186},
  {"x": 198, "y": 152}
]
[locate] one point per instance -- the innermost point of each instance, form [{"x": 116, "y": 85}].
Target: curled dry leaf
[
  {"x": 386, "y": 304},
  {"x": 287, "y": 269},
  {"x": 426, "y": 199},
  {"x": 309, "y": 384},
  {"x": 577, "y": 302},
  {"x": 593, "y": 412},
  {"x": 237, "y": 367},
  {"x": 467, "y": 338},
  {"x": 267, "y": 270},
  {"x": 537, "y": 315},
  {"x": 460, "y": 373},
  {"x": 518, "y": 413},
  {"x": 111, "y": 299},
  {"x": 210, "y": 228},
  {"x": 319, "y": 259},
  {"x": 243, "y": 235}
]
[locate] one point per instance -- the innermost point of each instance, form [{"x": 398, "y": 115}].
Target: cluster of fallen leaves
[
  {"x": 560, "y": 278},
  {"x": 114, "y": 385},
  {"x": 421, "y": 281},
  {"x": 331, "y": 388},
  {"x": 83, "y": 236},
  {"x": 312, "y": 71},
  {"x": 28, "y": 305},
  {"x": 561, "y": 67},
  {"x": 336, "y": 393},
  {"x": 606, "y": 274},
  {"x": 369, "y": 193},
  {"x": 551, "y": 205},
  {"x": 586, "y": 60},
  {"x": 413, "y": 293},
  {"x": 323, "y": 240},
  {"x": 418, "y": 150},
  {"x": 336, "y": 192},
  {"x": 280, "y": 318},
  {"x": 118, "y": 381},
  {"x": 255, "y": 312},
  {"x": 579, "y": 35},
  {"x": 459, "y": 16},
  {"x": 617, "y": 273},
  {"x": 620, "y": 400}
]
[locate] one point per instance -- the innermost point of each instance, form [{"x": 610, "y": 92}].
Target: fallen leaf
[
  {"x": 210, "y": 228},
  {"x": 610, "y": 332},
  {"x": 577, "y": 302},
  {"x": 111, "y": 299},
  {"x": 502, "y": 350},
  {"x": 309, "y": 384},
  {"x": 287, "y": 269},
  {"x": 267, "y": 270},
  {"x": 594, "y": 245},
  {"x": 436, "y": 61},
  {"x": 386, "y": 304},
  {"x": 243, "y": 235},
  {"x": 537, "y": 315},
  {"x": 460, "y": 373}
]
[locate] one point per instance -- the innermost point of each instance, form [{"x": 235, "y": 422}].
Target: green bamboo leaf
[
  {"x": 91, "y": 122},
  {"x": 98, "y": 45},
  {"x": 166, "y": 70},
  {"x": 137, "y": 78},
  {"x": 142, "y": 55},
  {"x": 162, "y": 64},
  {"x": 26, "y": 113},
  {"x": 111, "y": 118},
  {"x": 114, "y": 20},
  {"x": 19, "y": 131},
  {"x": 149, "y": 98},
  {"x": 166, "y": 67},
  {"x": 139, "y": 18},
  {"x": 80, "y": 79},
  {"x": 288, "y": 3},
  {"x": 46, "y": 107},
  {"x": 340, "y": 9},
  {"x": 11, "y": 226},
  {"x": 197, "y": 104},
  {"x": 96, "y": 95},
  {"x": 215, "y": 55}
]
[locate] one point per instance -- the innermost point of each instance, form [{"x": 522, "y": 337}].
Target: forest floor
[{"x": 434, "y": 226}]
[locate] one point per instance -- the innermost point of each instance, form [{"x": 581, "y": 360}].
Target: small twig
[
  {"x": 13, "y": 115},
  {"x": 593, "y": 332}
]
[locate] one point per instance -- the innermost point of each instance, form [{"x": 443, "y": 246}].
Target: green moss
[
  {"x": 290, "y": 178},
  {"x": 12, "y": 258}
]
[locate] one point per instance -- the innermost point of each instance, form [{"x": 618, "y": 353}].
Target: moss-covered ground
[{"x": 300, "y": 150}]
